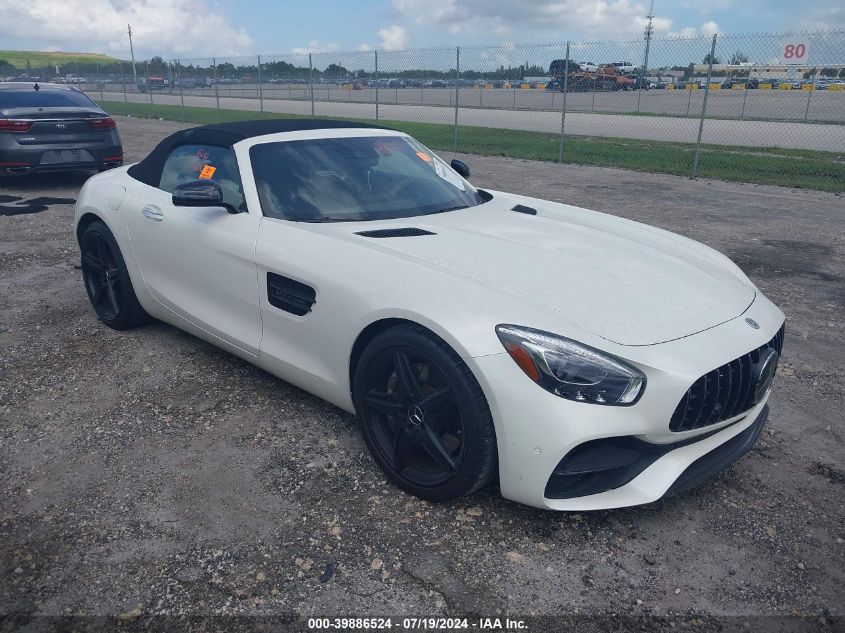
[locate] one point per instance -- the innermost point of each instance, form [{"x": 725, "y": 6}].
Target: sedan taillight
[
  {"x": 102, "y": 123},
  {"x": 14, "y": 125}
]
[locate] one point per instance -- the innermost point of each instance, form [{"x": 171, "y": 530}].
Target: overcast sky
[{"x": 194, "y": 28}]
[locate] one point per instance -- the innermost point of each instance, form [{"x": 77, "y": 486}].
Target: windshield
[
  {"x": 44, "y": 98},
  {"x": 351, "y": 179}
]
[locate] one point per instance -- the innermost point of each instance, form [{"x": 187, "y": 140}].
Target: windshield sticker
[
  {"x": 424, "y": 156},
  {"x": 207, "y": 172},
  {"x": 448, "y": 175},
  {"x": 387, "y": 148}
]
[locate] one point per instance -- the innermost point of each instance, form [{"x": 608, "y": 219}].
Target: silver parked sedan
[{"x": 48, "y": 127}]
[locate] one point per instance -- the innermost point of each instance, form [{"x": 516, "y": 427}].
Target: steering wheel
[{"x": 329, "y": 174}]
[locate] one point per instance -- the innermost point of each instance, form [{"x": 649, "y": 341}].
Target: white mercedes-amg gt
[{"x": 583, "y": 360}]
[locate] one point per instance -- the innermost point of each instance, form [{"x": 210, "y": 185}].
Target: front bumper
[
  {"x": 647, "y": 472},
  {"x": 536, "y": 430}
]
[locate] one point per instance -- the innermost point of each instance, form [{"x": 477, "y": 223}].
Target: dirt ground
[{"x": 148, "y": 472}]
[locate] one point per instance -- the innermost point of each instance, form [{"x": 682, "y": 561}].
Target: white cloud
[
  {"x": 708, "y": 28},
  {"x": 821, "y": 18},
  {"x": 585, "y": 19},
  {"x": 394, "y": 38},
  {"x": 315, "y": 46},
  {"x": 592, "y": 18},
  {"x": 364, "y": 48},
  {"x": 159, "y": 27}
]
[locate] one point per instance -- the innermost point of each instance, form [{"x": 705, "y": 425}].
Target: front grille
[{"x": 725, "y": 392}]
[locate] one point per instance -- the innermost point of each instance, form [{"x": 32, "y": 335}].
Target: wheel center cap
[{"x": 415, "y": 415}]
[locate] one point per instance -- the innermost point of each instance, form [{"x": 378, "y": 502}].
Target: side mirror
[
  {"x": 461, "y": 167},
  {"x": 200, "y": 193}
]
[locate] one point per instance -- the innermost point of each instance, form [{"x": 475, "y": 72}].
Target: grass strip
[{"x": 807, "y": 169}]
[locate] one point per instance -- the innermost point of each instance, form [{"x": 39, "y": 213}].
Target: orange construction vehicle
[{"x": 605, "y": 77}]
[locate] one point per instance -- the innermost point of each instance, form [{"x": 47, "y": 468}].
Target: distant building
[{"x": 763, "y": 71}]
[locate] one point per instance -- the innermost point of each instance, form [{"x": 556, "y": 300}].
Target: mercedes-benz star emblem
[
  {"x": 416, "y": 415},
  {"x": 753, "y": 323}
]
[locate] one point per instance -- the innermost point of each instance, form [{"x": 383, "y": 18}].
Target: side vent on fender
[
  {"x": 405, "y": 232},
  {"x": 290, "y": 295},
  {"x": 521, "y": 208}
]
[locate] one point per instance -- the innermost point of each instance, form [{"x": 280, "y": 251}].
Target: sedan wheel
[
  {"x": 107, "y": 280},
  {"x": 423, "y": 415}
]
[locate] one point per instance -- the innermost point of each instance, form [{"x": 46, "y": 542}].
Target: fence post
[
  {"x": 563, "y": 104},
  {"x": 149, "y": 92},
  {"x": 170, "y": 82},
  {"x": 311, "y": 82},
  {"x": 123, "y": 83},
  {"x": 810, "y": 95},
  {"x": 78, "y": 82},
  {"x": 457, "y": 89},
  {"x": 744, "y": 96},
  {"x": 100, "y": 84},
  {"x": 260, "y": 89},
  {"x": 376, "y": 75},
  {"x": 181, "y": 89},
  {"x": 216, "y": 88},
  {"x": 703, "y": 108}
]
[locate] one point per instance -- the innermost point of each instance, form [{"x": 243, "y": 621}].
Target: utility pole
[
  {"x": 132, "y": 53},
  {"x": 649, "y": 29}
]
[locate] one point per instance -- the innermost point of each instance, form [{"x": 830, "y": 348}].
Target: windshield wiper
[
  {"x": 325, "y": 218},
  {"x": 455, "y": 208}
]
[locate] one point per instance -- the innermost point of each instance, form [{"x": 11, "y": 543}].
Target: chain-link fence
[{"x": 762, "y": 108}]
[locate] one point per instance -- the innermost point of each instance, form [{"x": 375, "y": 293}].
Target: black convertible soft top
[{"x": 148, "y": 170}]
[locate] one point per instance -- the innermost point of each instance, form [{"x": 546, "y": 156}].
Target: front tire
[
  {"x": 107, "y": 280},
  {"x": 423, "y": 415}
]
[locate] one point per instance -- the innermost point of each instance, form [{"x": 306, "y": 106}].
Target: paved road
[
  {"x": 795, "y": 135},
  {"x": 820, "y": 106}
]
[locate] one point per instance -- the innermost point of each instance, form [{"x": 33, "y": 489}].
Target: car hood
[{"x": 623, "y": 281}]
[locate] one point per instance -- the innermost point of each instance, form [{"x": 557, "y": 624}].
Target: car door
[{"x": 199, "y": 262}]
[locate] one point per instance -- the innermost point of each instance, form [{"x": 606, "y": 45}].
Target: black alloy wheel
[
  {"x": 423, "y": 415},
  {"x": 102, "y": 279},
  {"x": 107, "y": 281}
]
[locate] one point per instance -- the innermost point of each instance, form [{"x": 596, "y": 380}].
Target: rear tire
[
  {"x": 107, "y": 280},
  {"x": 423, "y": 415}
]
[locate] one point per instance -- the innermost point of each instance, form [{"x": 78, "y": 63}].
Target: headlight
[{"x": 572, "y": 370}]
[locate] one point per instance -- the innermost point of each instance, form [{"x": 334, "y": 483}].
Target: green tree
[
  {"x": 707, "y": 58},
  {"x": 336, "y": 70},
  {"x": 738, "y": 58}
]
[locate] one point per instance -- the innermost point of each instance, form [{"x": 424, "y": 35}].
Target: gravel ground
[{"x": 147, "y": 472}]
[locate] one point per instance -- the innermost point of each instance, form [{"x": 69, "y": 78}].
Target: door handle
[{"x": 153, "y": 213}]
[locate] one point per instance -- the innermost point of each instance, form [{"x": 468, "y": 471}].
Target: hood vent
[
  {"x": 404, "y": 232},
  {"x": 521, "y": 208}
]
